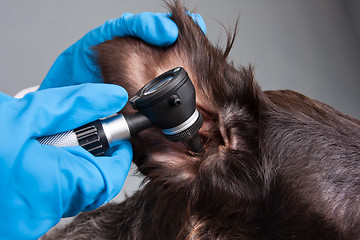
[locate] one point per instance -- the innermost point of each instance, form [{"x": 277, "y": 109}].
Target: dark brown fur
[{"x": 278, "y": 165}]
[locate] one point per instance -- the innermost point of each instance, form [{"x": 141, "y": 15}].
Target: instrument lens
[{"x": 157, "y": 85}]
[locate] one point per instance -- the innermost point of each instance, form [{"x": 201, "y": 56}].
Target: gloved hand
[
  {"x": 39, "y": 184},
  {"x": 77, "y": 65}
]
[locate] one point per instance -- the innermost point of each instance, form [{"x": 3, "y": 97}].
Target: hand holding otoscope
[{"x": 167, "y": 102}]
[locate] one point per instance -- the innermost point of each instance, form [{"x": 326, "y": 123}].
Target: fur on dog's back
[{"x": 277, "y": 165}]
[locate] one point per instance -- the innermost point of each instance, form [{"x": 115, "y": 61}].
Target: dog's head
[{"x": 259, "y": 159}]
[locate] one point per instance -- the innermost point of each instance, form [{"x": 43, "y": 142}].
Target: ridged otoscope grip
[{"x": 92, "y": 138}]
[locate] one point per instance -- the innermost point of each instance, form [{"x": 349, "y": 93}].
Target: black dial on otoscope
[{"x": 169, "y": 102}]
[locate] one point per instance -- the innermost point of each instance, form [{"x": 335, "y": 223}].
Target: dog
[{"x": 277, "y": 164}]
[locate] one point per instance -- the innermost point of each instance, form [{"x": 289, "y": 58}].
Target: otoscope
[{"x": 167, "y": 102}]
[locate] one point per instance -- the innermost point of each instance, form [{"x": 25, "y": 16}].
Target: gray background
[{"x": 311, "y": 46}]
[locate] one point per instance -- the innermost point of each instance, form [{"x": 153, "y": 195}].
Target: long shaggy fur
[{"x": 277, "y": 165}]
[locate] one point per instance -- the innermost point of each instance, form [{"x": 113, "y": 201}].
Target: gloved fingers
[
  {"x": 56, "y": 110},
  {"x": 155, "y": 28},
  {"x": 113, "y": 169},
  {"x": 63, "y": 180}
]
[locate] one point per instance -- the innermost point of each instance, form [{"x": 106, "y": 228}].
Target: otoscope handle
[{"x": 98, "y": 136}]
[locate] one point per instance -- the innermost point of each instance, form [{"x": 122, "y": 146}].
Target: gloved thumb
[{"x": 57, "y": 110}]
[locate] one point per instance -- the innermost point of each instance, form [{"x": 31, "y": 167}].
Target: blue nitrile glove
[
  {"x": 77, "y": 64},
  {"x": 39, "y": 184}
]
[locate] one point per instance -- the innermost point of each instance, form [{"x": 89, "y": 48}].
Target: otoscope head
[{"x": 169, "y": 102}]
